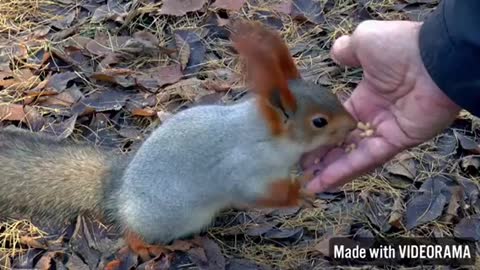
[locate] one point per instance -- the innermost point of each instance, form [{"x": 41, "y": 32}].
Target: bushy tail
[{"x": 44, "y": 178}]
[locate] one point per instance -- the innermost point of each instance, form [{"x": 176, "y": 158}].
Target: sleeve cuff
[{"x": 450, "y": 56}]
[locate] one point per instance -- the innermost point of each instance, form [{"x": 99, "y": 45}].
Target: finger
[
  {"x": 343, "y": 52},
  {"x": 371, "y": 152}
]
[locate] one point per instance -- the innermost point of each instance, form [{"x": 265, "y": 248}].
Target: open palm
[{"x": 396, "y": 96}]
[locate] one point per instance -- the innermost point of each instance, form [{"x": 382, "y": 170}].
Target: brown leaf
[
  {"x": 216, "y": 86},
  {"x": 45, "y": 263},
  {"x": 42, "y": 31},
  {"x": 180, "y": 245},
  {"x": 32, "y": 242},
  {"x": 27, "y": 260},
  {"x": 260, "y": 229},
  {"x": 242, "y": 264},
  {"x": 397, "y": 213},
  {"x": 234, "y": 5},
  {"x": 189, "y": 89},
  {"x": 64, "y": 21},
  {"x": 180, "y": 7},
  {"x": 61, "y": 130},
  {"x": 110, "y": 60},
  {"x": 33, "y": 119},
  {"x": 12, "y": 112},
  {"x": 183, "y": 51},
  {"x": 454, "y": 204},
  {"x": 424, "y": 208},
  {"x": 147, "y": 112},
  {"x": 163, "y": 115},
  {"x": 215, "y": 258},
  {"x": 377, "y": 209},
  {"x": 197, "y": 50},
  {"x": 111, "y": 11},
  {"x": 118, "y": 76},
  {"x": 284, "y": 234},
  {"x": 130, "y": 133},
  {"x": 308, "y": 10},
  {"x": 198, "y": 256},
  {"x": 74, "y": 262},
  {"x": 169, "y": 74},
  {"x": 59, "y": 81},
  {"x": 103, "y": 45},
  {"x": 147, "y": 39},
  {"x": 323, "y": 247},
  {"x": 470, "y": 164},
  {"x": 148, "y": 82},
  {"x": 446, "y": 144},
  {"x": 470, "y": 188},
  {"x": 284, "y": 211},
  {"x": 105, "y": 100},
  {"x": 406, "y": 168},
  {"x": 468, "y": 228},
  {"x": 468, "y": 143},
  {"x": 79, "y": 244},
  {"x": 65, "y": 98}
]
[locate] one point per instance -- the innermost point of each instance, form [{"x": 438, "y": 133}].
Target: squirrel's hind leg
[{"x": 138, "y": 246}]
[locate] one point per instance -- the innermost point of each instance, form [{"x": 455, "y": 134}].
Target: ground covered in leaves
[{"x": 110, "y": 71}]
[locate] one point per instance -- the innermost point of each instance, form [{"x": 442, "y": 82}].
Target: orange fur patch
[
  {"x": 282, "y": 193},
  {"x": 139, "y": 247}
]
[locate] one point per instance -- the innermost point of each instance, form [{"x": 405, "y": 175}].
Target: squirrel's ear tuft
[{"x": 269, "y": 64}]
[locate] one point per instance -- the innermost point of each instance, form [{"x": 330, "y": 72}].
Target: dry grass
[
  {"x": 13, "y": 239},
  {"x": 20, "y": 17}
]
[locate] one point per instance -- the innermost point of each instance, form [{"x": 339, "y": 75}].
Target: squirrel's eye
[{"x": 319, "y": 122}]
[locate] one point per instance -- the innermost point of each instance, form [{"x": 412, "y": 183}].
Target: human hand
[{"x": 396, "y": 96}]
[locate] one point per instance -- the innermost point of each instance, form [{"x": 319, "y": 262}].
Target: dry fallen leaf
[
  {"x": 61, "y": 130},
  {"x": 64, "y": 21},
  {"x": 454, "y": 204},
  {"x": 103, "y": 45},
  {"x": 197, "y": 50},
  {"x": 118, "y": 76},
  {"x": 406, "y": 168},
  {"x": 180, "y": 7},
  {"x": 105, "y": 100},
  {"x": 180, "y": 245},
  {"x": 424, "y": 208},
  {"x": 59, "y": 81},
  {"x": 13, "y": 112},
  {"x": 470, "y": 164},
  {"x": 468, "y": 228},
  {"x": 396, "y": 215},
  {"x": 32, "y": 242},
  {"x": 147, "y": 112},
  {"x": 167, "y": 74},
  {"x": 234, "y": 5},
  {"x": 183, "y": 51},
  {"x": 260, "y": 229},
  {"x": 309, "y": 10},
  {"x": 468, "y": 143}
]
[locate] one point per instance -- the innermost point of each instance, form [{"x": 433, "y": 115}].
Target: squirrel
[{"x": 198, "y": 162}]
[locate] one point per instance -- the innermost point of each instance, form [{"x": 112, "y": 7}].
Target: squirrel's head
[
  {"x": 300, "y": 111},
  {"x": 320, "y": 118}
]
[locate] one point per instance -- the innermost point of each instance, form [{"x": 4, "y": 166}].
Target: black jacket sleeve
[{"x": 450, "y": 48}]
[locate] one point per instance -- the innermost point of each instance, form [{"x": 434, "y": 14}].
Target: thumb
[{"x": 343, "y": 52}]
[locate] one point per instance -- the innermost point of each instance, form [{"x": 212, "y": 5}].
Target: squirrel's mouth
[{"x": 313, "y": 159}]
